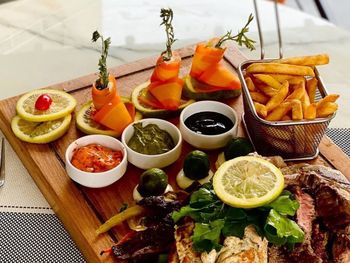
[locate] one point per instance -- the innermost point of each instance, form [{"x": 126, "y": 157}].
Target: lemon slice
[
  {"x": 87, "y": 125},
  {"x": 40, "y": 132},
  {"x": 248, "y": 182},
  {"x": 62, "y": 104}
]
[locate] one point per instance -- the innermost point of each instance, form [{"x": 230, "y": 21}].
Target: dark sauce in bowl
[{"x": 209, "y": 123}]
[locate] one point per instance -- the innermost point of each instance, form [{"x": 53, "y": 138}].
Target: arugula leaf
[
  {"x": 234, "y": 228},
  {"x": 280, "y": 230},
  {"x": 284, "y": 204},
  {"x": 204, "y": 206},
  {"x": 207, "y": 236},
  {"x": 202, "y": 197}
]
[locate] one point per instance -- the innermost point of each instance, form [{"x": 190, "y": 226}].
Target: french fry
[
  {"x": 310, "y": 111},
  {"x": 328, "y": 98},
  {"x": 320, "y": 59},
  {"x": 279, "y": 112},
  {"x": 268, "y": 80},
  {"x": 311, "y": 86},
  {"x": 258, "y": 97},
  {"x": 297, "y": 110},
  {"x": 293, "y": 80},
  {"x": 305, "y": 101},
  {"x": 286, "y": 118},
  {"x": 279, "y": 97},
  {"x": 269, "y": 91},
  {"x": 260, "y": 109},
  {"x": 298, "y": 92},
  {"x": 326, "y": 109},
  {"x": 250, "y": 84},
  {"x": 277, "y": 68}
]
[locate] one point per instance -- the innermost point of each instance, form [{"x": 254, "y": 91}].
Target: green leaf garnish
[
  {"x": 214, "y": 219},
  {"x": 207, "y": 236},
  {"x": 284, "y": 204},
  {"x": 280, "y": 230}
]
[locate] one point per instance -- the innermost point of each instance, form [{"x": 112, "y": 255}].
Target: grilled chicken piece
[
  {"x": 251, "y": 249},
  {"x": 209, "y": 257},
  {"x": 183, "y": 240}
]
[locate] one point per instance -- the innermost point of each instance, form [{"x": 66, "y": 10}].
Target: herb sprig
[
  {"x": 102, "y": 82},
  {"x": 241, "y": 38},
  {"x": 167, "y": 15}
]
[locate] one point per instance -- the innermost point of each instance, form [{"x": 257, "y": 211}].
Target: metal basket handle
[{"x": 262, "y": 50}]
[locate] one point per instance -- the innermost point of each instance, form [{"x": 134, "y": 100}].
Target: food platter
[{"x": 83, "y": 209}]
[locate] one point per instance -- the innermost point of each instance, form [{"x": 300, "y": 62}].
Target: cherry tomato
[{"x": 43, "y": 102}]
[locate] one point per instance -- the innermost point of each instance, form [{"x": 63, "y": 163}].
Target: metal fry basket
[{"x": 293, "y": 140}]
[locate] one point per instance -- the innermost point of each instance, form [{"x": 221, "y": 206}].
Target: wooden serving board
[{"x": 83, "y": 209}]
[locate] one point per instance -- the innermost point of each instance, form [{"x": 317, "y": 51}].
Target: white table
[{"x": 49, "y": 41}]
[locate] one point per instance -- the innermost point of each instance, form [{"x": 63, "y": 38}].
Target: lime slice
[
  {"x": 62, "y": 104},
  {"x": 87, "y": 125},
  {"x": 40, "y": 132},
  {"x": 248, "y": 182}
]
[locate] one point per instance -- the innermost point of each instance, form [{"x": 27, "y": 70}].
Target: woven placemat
[
  {"x": 341, "y": 137},
  {"x": 28, "y": 237}
]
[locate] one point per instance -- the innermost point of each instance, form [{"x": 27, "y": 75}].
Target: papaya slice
[{"x": 150, "y": 112}]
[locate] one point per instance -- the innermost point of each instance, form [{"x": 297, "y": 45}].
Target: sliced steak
[
  {"x": 341, "y": 247},
  {"x": 319, "y": 242},
  {"x": 330, "y": 188},
  {"x": 306, "y": 212}
]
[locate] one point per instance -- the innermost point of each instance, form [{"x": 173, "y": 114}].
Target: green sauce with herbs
[{"x": 150, "y": 140}]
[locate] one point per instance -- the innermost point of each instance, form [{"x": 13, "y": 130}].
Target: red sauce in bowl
[{"x": 95, "y": 158}]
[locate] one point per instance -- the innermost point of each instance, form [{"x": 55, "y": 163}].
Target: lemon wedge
[
  {"x": 248, "y": 182},
  {"x": 40, "y": 132},
  {"x": 62, "y": 104}
]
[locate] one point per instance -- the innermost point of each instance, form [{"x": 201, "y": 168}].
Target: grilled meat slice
[
  {"x": 319, "y": 242},
  {"x": 251, "y": 249},
  {"x": 341, "y": 246},
  {"x": 304, "y": 218},
  {"x": 330, "y": 188},
  {"x": 306, "y": 212},
  {"x": 183, "y": 240},
  {"x": 137, "y": 246}
]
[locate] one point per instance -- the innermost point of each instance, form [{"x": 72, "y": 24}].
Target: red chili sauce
[{"x": 95, "y": 158}]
